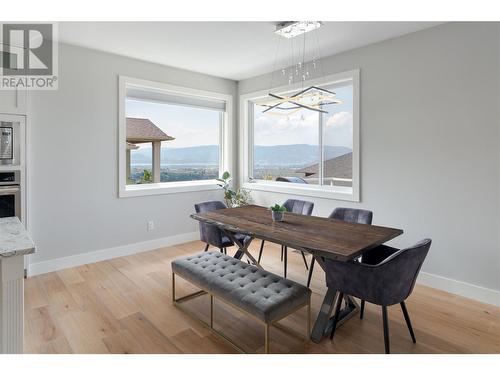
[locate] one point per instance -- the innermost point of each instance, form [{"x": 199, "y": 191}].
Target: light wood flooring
[{"x": 124, "y": 305}]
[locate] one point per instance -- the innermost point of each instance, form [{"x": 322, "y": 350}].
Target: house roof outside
[
  {"x": 142, "y": 130},
  {"x": 339, "y": 167}
]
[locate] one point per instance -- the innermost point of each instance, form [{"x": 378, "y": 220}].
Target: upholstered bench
[{"x": 261, "y": 294}]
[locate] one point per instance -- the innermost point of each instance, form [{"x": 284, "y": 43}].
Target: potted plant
[
  {"x": 233, "y": 198},
  {"x": 278, "y": 212}
]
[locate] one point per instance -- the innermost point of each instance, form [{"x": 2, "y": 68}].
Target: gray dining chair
[
  {"x": 350, "y": 215},
  {"x": 295, "y": 206},
  {"x": 212, "y": 235},
  {"x": 385, "y": 277}
]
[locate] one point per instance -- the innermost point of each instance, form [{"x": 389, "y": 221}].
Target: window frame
[
  {"x": 225, "y": 161},
  {"x": 246, "y": 142}
]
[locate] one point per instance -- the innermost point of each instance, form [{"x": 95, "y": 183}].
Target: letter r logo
[{"x": 27, "y": 49}]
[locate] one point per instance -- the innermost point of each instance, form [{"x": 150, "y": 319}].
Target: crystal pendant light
[{"x": 311, "y": 97}]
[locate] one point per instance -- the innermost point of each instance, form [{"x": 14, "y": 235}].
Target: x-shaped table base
[
  {"x": 242, "y": 247},
  {"x": 324, "y": 321}
]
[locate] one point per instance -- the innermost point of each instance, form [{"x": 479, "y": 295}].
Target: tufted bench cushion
[{"x": 263, "y": 294}]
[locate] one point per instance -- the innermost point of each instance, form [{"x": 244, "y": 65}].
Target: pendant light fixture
[{"x": 310, "y": 97}]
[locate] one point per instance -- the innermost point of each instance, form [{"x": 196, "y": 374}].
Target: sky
[
  {"x": 189, "y": 126},
  {"x": 302, "y": 127}
]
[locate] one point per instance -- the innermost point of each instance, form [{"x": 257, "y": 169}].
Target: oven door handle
[{"x": 9, "y": 190}]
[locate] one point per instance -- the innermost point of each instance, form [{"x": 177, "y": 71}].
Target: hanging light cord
[
  {"x": 322, "y": 73},
  {"x": 275, "y": 61},
  {"x": 302, "y": 70}
]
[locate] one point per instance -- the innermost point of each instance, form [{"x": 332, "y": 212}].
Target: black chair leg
[
  {"x": 285, "y": 260},
  {"x": 206, "y": 247},
  {"x": 408, "y": 322},
  {"x": 260, "y": 251},
  {"x": 225, "y": 250},
  {"x": 362, "y": 309},
  {"x": 311, "y": 268},
  {"x": 305, "y": 260},
  {"x": 221, "y": 249},
  {"x": 386, "y": 330},
  {"x": 336, "y": 316},
  {"x": 282, "y": 252}
]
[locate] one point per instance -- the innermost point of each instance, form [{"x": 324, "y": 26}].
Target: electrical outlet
[{"x": 151, "y": 225}]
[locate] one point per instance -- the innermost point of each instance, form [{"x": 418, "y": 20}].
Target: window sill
[
  {"x": 338, "y": 193},
  {"x": 166, "y": 188}
]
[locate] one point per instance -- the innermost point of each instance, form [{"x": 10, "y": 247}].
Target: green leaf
[
  {"x": 278, "y": 208},
  {"x": 226, "y": 175}
]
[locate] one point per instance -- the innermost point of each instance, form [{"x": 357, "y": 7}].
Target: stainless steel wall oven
[{"x": 10, "y": 194}]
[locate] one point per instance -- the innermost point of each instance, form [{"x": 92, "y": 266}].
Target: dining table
[{"x": 323, "y": 238}]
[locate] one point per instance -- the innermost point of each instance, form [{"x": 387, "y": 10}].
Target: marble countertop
[{"x": 14, "y": 239}]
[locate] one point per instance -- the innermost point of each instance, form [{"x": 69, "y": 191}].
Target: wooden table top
[{"x": 330, "y": 238}]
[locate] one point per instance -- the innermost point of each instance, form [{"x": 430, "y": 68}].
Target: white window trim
[
  {"x": 246, "y": 145},
  {"x": 225, "y": 161}
]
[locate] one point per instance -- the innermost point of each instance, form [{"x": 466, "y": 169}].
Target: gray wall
[
  {"x": 430, "y": 141},
  {"x": 74, "y": 206}
]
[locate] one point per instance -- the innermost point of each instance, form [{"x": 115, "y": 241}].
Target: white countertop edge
[
  {"x": 14, "y": 239},
  {"x": 14, "y": 253}
]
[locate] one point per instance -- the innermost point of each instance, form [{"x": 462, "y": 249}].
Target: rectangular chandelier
[
  {"x": 312, "y": 98},
  {"x": 295, "y": 28}
]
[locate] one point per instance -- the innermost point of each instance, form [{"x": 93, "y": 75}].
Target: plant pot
[{"x": 278, "y": 215}]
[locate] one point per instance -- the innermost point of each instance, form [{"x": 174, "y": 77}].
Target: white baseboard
[
  {"x": 114, "y": 252},
  {"x": 460, "y": 288}
]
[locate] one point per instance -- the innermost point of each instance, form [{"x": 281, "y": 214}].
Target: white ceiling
[{"x": 233, "y": 50}]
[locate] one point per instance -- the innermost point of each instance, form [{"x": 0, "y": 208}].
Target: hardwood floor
[{"x": 124, "y": 305}]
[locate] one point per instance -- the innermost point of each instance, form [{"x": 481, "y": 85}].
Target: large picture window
[
  {"x": 304, "y": 151},
  {"x": 171, "y": 137}
]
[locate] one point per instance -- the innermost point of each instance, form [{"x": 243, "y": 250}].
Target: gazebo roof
[{"x": 142, "y": 130}]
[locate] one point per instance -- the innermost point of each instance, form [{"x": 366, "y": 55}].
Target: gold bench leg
[
  {"x": 178, "y": 304},
  {"x": 173, "y": 287},
  {"x": 186, "y": 297},
  {"x": 211, "y": 311},
  {"x": 266, "y": 342},
  {"x": 308, "y": 333}
]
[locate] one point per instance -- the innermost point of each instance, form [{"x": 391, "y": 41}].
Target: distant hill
[
  {"x": 185, "y": 155},
  {"x": 287, "y": 155},
  {"x": 294, "y": 155}
]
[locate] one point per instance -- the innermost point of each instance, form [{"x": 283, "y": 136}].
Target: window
[
  {"x": 171, "y": 138},
  {"x": 305, "y": 152}
]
